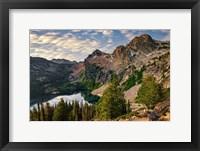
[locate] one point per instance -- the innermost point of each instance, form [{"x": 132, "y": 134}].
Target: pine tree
[
  {"x": 111, "y": 104},
  {"x": 38, "y": 105},
  {"x": 80, "y": 114},
  {"x": 69, "y": 111},
  {"x": 85, "y": 112},
  {"x": 150, "y": 92},
  {"x": 91, "y": 111},
  {"x": 60, "y": 112},
  {"x": 48, "y": 112},
  {"x": 42, "y": 111},
  {"x": 128, "y": 109},
  {"x": 75, "y": 111},
  {"x": 35, "y": 114}
]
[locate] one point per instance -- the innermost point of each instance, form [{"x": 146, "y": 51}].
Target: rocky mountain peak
[
  {"x": 97, "y": 52},
  {"x": 118, "y": 51},
  {"x": 144, "y": 43},
  {"x": 145, "y": 38},
  {"x": 95, "y": 55}
]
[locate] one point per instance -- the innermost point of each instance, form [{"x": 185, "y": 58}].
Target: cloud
[
  {"x": 34, "y": 38},
  {"x": 51, "y": 46},
  {"x": 124, "y": 31},
  {"x": 106, "y": 32},
  {"x": 76, "y": 30},
  {"x": 52, "y": 33},
  {"x": 129, "y": 34}
]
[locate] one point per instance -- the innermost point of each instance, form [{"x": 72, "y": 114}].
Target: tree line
[
  {"x": 110, "y": 106},
  {"x": 63, "y": 111}
]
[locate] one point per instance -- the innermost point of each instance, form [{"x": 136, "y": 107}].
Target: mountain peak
[
  {"x": 118, "y": 51},
  {"x": 97, "y": 52},
  {"x": 144, "y": 38},
  {"x": 144, "y": 43}
]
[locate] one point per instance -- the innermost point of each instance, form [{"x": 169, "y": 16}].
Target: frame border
[{"x": 5, "y": 5}]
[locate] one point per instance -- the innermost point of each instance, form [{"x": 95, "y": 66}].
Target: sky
[{"x": 78, "y": 44}]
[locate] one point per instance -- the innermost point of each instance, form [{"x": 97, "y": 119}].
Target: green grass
[
  {"x": 135, "y": 78},
  {"x": 129, "y": 83}
]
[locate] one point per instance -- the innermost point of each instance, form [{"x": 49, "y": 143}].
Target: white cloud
[
  {"x": 34, "y": 38},
  {"x": 124, "y": 31},
  {"x": 76, "y": 30},
  {"x": 58, "y": 47},
  {"x": 106, "y": 32},
  {"x": 52, "y": 33},
  {"x": 128, "y": 34}
]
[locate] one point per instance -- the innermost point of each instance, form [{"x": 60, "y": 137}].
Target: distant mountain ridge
[{"x": 63, "y": 61}]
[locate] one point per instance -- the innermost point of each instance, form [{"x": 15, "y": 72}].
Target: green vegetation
[
  {"x": 140, "y": 74},
  {"x": 134, "y": 78},
  {"x": 63, "y": 112},
  {"x": 91, "y": 84},
  {"x": 60, "y": 112},
  {"x": 128, "y": 105},
  {"x": 49, "y": 112},
  {"x": 111, "y": 104},
  {"x": 34, "y": 115},
  {"x": 129, "y": 83},
  {"x": 90, "y": 98},
  {"x": 168, "y": 92},
  {"x": 150, "y": 92}
]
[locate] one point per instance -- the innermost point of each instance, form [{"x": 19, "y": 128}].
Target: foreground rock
[
  {"x": 161, "y": 112},
  {"x": 139, "y": 112}
]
